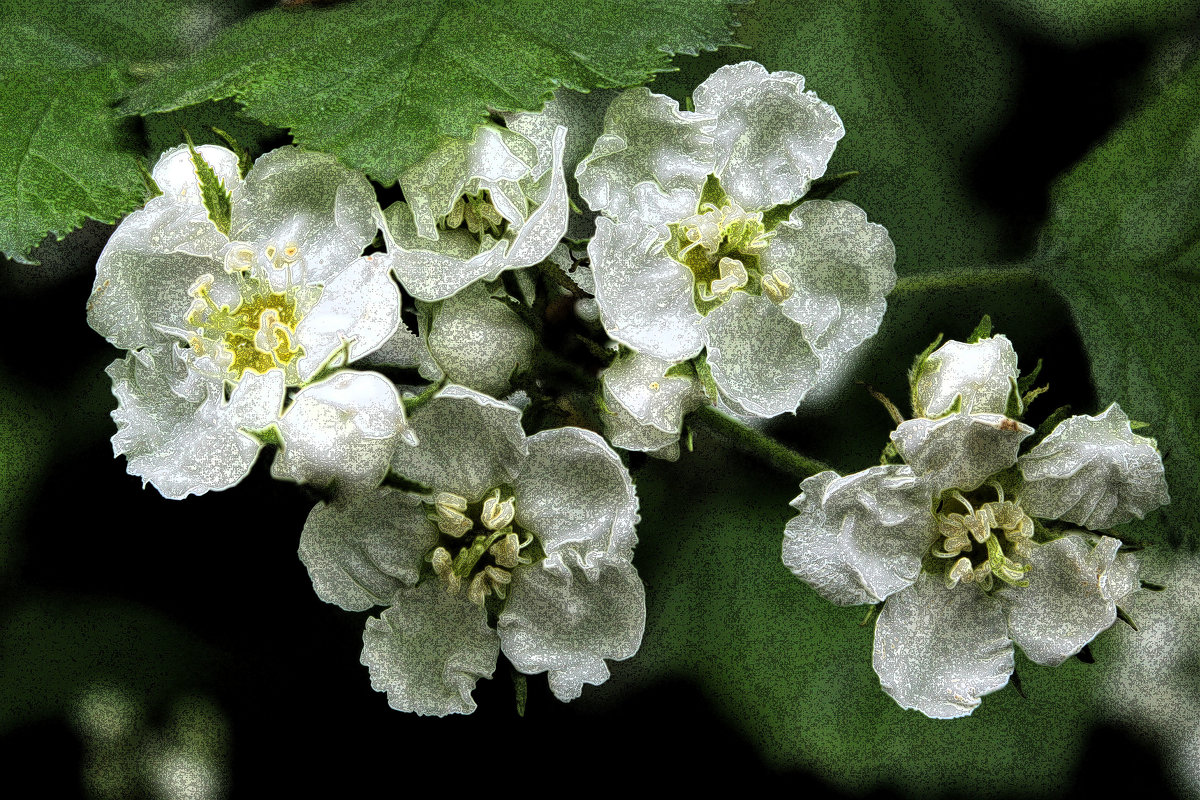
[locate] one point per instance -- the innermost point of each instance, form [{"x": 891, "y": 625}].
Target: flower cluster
[
  {"x": 448, "y": 376},
  {"x": 971, "y": 539}
]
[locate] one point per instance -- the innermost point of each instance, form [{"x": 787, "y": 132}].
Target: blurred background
[{"x": 177, "y": 649}]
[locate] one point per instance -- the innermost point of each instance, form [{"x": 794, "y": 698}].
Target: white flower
[
  {"x": 680, "y": 267},
  {"x": 1095, "y": 472},
  {"x": 475, "y": 208},
  {"x": 983, "y": 374},
  {"x": 208, "y": 316},
  {"x": 646, "y": 408},
  {"x": 535, "y": 533},
  {"x": 963, "y": 571}
]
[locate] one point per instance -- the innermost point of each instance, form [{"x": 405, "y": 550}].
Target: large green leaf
[
  {"x": 1123, "y": 246},
  {"x": 380, "y": 83},
  {"x": 63, "y": 157},
  {"x": 1085, "y": 22},
  {"x": 920, "y": 86}
]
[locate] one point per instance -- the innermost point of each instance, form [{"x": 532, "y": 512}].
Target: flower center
[
  {"x": 1002, "y": 527},
  {"x": 480, "y": 544},
  {"x": 722, "y": 246},
  {"x": 477, "y": 214},
  {"x": 258, "y": 332}
]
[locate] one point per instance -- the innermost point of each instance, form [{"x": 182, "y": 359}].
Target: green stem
[
  {"x": 987, "y": 278},
  {"x": 755, "y": 443},
  {"x": 411, "y": 404}
]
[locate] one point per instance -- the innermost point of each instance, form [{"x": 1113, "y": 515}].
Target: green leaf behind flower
[
  {"x": 380, "y": 84},
  {"x": 1123, "y": 246}
]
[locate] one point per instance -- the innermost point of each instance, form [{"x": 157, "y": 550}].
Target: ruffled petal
[
  {"x": 182, "y": 446},
  {"x": 294, "y": 196},
  {"x": 939, "y": 650},
  {"x": 341, "y": 432},
  {"x": 638, "y": 383},
  {"x": 1068, "y": 601},
  {"x": 1095, "y": 472},
  {"x": 860, "y": 538},
  {"x": 564, "y": 621},
  {"x": 361, "y": 304},
  {"x": 645, "y": 296},
  {"x": 646, "y": 138},
  {"x": 469, "y": 444},
  {"x": 981, "y": 373},
  {"x": 759, "y": 357},
  {"x": 479, "y": 342},
  {"x": 428, "y": 650},
  {"x": 960, "y": 451},
  {"x": 841, "y": 268},
  {"x": 361, "y": 551},
  {"x": 576, "y": 496},
  {"x": 773, "y": 138}
]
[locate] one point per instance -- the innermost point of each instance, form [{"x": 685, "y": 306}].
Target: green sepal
[
  {"x": 1152, "y": 587},
  {"x": 684, "y": 369},
  {"x": 520, "y": 690},
  {"x": 411, "y": 404},
  {"x": 689, "y": 104},
  {"x": 1047, "y": 426},
  {"x": 1026, "y": 380},
  {"x": 688, "y": 438},
  {"x": 871, "y": 612},
  {"x": 890, "y": 455},
  {"x": 705, "y": 376},
  {"x": 244, "y": 159},
  {"x": 214, "y": 195},
  {"x": 914, "y": 372},
  {"x": 712, "y": 192},
  {"x": 982, "y": 331},
  {"x": 1134, "y": 425},
  {"x": 152, "y": 188},
  {"x": 818, "y": 190},
  {"x": 1123, "y": 615},
  {"x": 1034, "y": 394},
  {"x": 269, "y": 435},
  {"x": 1015, "y": 407}
]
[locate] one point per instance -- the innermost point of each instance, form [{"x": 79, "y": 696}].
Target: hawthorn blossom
[{"x": 697, "y": 249}]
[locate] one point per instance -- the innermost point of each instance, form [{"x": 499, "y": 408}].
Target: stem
[
  {"x": 755, "y": 443},
  {"x": 966, "y": 279}
]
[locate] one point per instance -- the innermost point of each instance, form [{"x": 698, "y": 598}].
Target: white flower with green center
[
  {"x": 687, "y": 257},
  {"x": 948, "y": 543},
  {"x": 645, "y": 406},
  {"x": 473, "y": 209},
  {"x": 220, "y": 324},
  {"x": 521, "y": 544}
]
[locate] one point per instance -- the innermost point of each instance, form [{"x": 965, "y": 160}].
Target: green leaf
[
  {"x": 380, "y": 84},
  {"x": 1084, "y": 22},
  {"x": 216, "y": 198},
  {"x": 63, "y": 154},
  {"x": 1123, "y": 247},
  {"x": 794, "y": 672}
]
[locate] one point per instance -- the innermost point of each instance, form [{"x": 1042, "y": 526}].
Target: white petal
[
  {"x": 860, "y": 538},
  {"x": 960, "y": 451},
  {"x": 341, "y": 431},
  {"x": 576, "y": 496},
  {"x": 547, "y": 224},
  {"x": 565, "y": 622},
  {"x": 428, "y": 650},
  {"x": 479, "y": 342},
  {"x": 295, "y": 196},
  {"x": 360, "y": 551},
  {"x": 646, "y": 138},
  {"x": 981, "y": 373},
  {"x": 402, "y": 350},
  {"x": 940, "y": 650},
  {"x": 146, "y": 268},
  {"x": 841, "y": 267},
  {"x": 625, "y": 432},
  {"x": 773, "y": 137},
  {"x": 760, "y": 359},
  {"x": 469, "y": 444},
  {"x": 434, "y": 270},
  {"x": 1094, "y": 471},
  {"x": 645, "y": 296},
  {"x": 361, "y": 303},
  {"x": 181, "y": 446},
  {"x": 1067, "y": 602}
]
